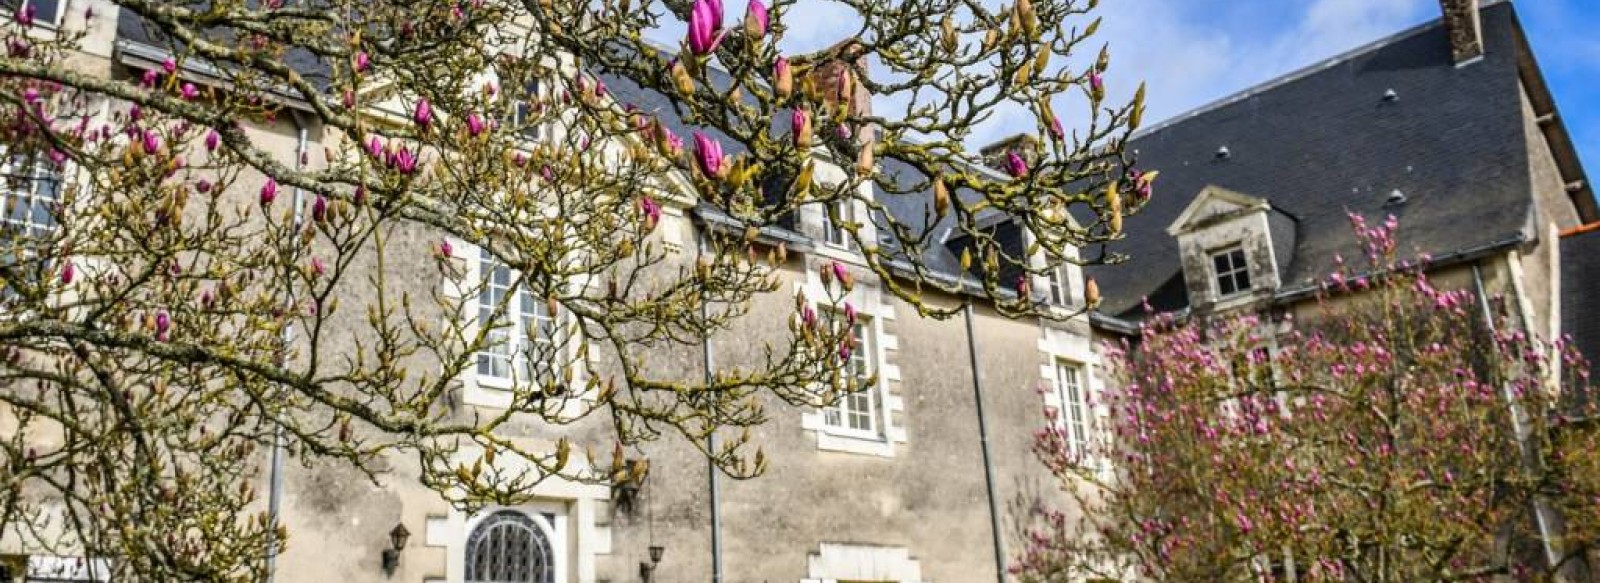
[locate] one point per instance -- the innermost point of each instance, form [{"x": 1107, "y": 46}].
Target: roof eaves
[
  {"x": 149, "y": 56},
  {"x": 1459, "y": 256}
]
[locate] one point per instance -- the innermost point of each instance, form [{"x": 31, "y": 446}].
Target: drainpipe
[
  {"x": 1519, "y": 428},
  {"x": 275, "y": 483},
  {"x": 711, "y": 439},
  {"x": 983, "y": 440}
]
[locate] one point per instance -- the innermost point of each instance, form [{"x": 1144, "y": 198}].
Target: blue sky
[{"x": 1192, "y": 52}]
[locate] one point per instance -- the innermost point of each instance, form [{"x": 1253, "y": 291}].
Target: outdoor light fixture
[
  {"x": 648, "y": 570},
  {"x": 397, "y": 543}
]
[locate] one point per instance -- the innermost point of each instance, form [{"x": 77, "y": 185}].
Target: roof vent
[
  {"x": 1223, "y": 153},
  {"x": 1396, "y": 198},
  {"x": 1390, "y": 96}
]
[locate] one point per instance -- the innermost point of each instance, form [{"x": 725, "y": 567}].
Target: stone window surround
[
  {"x": 877, "y": 311},
  {"x": 570, "y": 512},
  {"x": 836, "y": 562},
  {"x": 465, "y": 257},
  {"x": 1239, "y": 269},
  {"x": 1072, "y": 345}
]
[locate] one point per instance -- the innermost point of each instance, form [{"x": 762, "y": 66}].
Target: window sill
[{"x": 853, "y": 442}]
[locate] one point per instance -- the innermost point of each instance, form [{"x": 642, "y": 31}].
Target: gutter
[
  {"x": 716, "y": 220},
  {"x": 1469, "y": 254}
]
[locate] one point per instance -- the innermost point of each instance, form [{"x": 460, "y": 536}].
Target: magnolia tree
[
  {"x": 184, "y": 287},
  {"x": 1401, "y": 433}
]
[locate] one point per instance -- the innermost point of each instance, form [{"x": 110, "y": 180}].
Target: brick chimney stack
[
  {"x": 830, "y": 74},
  {"x": 1461, "y": 24}
]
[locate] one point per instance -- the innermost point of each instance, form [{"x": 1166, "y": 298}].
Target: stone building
[
  {"x": 888, "y": 485},
  {"x": 1448, "y": 125}
]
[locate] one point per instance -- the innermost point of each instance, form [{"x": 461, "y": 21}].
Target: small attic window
[
  {"x": 1223, "y": 153},
  {"x": 1396, "y": 197},
  {"x": 1390, "y": 95},
  {"x": 1231, "y": 270}
]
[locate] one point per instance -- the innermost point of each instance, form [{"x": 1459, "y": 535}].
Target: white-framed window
[
  {"x": 45, "y": 12},
  {"x": 29, "y": 195},
  {"x": 522, "y": 111},
  {"x": 1060, "y": 285},
  {"x": 510, "y": 546},
  {"x": 834, "y": 220},
  {"x": 521, "y": 343},
  {"x": 855, "y": 413},
  {"x": 1074, "y": 414},
  {"x": 1232, "y": 271}
]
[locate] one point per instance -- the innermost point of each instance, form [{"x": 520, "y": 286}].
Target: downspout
[
  {"x": 1519, "y": 428},
  {"x": 983, "y": 441},
  {"x": 275, "y": 483},
  {"x": 711, "y": 439}
]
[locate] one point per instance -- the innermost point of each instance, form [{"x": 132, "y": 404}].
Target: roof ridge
[{"x": 1300, "y": 73}]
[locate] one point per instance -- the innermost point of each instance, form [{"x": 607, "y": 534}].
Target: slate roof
[
  {"x": 1323, "y": 142},
  {"x": 1580, "y": 293},
  {"x": 132, "y": 28},
  {"x": 911, "y": 205}
]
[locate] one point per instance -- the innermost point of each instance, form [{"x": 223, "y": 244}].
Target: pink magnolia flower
[
  {"x": 1055, "y": 127},
  {"x": 152, "y": 142},
  {"x": 30, "y": 95},
  {"x": 319, "y": 209},
  {"x": 203, "y": 186},
  {"x": 839, "y": 272},
  {"x": 405, "y": 162},
  {"x": 708, "y": 154},
  {"x": 849, "y": 313},
  {"x": 363, "y": 62},
  {"x": 169, "y": 65},
  {"x": 67, "y": 273},
  {"x": 651, "y": 210},
  {"x": 163, "y": 325},
  {"x": 445, "y": 250},
  {"x": 844, "y": 350},
  {"x": 1015, "y": 165},
  {"x": 475, "y": 125},
  {"x": 1095, "y": 82},
  {"x": 756, "y": 19},
  {"x": 269, "y": 192},
  {"x": 189, "y": 92},
  {"x": 800, "y": 128},
  {"x": 317, "y": 268},
  {"x": 375, "y": 147},
  {"x": 212, "y": 140},
  {"x": 423, "y": 114},
  {"x": 25, "y": 14},
  {"x": 705, "y": 26}
]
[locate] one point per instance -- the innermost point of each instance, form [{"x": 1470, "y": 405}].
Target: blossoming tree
[
  {"x": 1398, "y": 433},
  {"x": 184, "y": 286}
]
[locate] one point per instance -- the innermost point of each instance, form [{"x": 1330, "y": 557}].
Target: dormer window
[
  {"x": 835, "y": 219},
  {"x": 45, "y": 12},
  {"x": 1060, "y": 285},
  {"x": 523, "y": 113},
  {"x": 1232, "y": 271}
]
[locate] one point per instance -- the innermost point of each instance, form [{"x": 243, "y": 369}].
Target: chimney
[
  {"x": 831, "y": 75},
  {"x": 1462, "y": 25},
  {"x": 1025, "y": 145}
]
